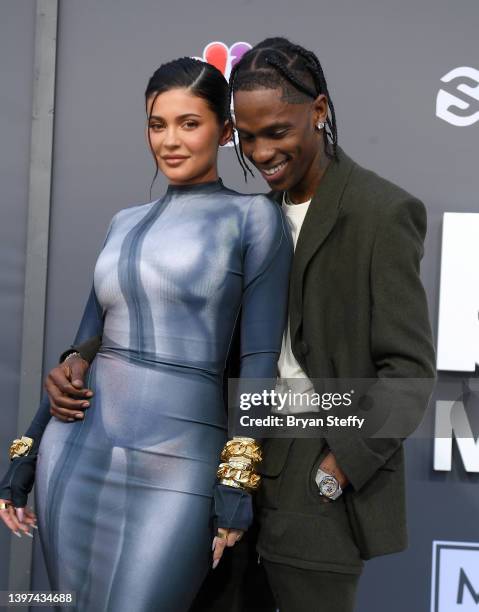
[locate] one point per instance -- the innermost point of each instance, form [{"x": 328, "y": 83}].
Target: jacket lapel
[{"x": 320, "y": 219}]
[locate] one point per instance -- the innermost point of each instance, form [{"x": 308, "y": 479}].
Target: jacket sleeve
[{"x": 401, "y": 340}]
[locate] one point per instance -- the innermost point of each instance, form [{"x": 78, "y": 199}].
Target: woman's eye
[
  {"x": 155, "y": 126},
  {"x": 190, "y": 124}
]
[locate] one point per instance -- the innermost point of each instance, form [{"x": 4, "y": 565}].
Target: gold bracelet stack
[
  {"x": 20, "y": 447},
  {"x": 242, "y": 455}
]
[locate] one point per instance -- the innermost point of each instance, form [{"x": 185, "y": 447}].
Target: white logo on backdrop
[
  {"x": 455, "y": 577},
  {"x": 458, "y": 333},
  {"x": 456, "y": 109},
  {"x": 452, "y": 421}
]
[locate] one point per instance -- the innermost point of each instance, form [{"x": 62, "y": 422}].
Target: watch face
[{"x": 328, "y": 486}]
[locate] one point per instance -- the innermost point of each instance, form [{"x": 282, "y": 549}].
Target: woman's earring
[{"x": 320, "y": 125}]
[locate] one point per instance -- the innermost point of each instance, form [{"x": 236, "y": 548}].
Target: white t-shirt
[{"x": 288, "y": 367}]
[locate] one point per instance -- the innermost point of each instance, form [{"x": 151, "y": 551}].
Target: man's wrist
[
  {"x": 328, "y": 485},
  {"x": 68, "y": 353},
  {"x": 331, "y": 467}
]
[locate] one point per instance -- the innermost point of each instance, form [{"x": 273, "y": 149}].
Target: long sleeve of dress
[
  {"x": 267, "y": 252},
  {"x": 20, "y": 476},
  {"x": 267, "y": 255},
  {"x": 91, "y": 325}
]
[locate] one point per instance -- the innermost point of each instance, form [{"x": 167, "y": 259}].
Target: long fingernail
[
  {"x": 30, "y": 535},
  {"x": 34, "y": 527},
  {"x": 86, "y": 404},
  {"x": 79, "y": 415},
  {"x": 19, "y": 535},
  {"x": 214, "y": 544},
  {"x": 215, "y": 563}
]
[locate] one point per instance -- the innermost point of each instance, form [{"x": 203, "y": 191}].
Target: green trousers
[{"x": 300, "y": 590}]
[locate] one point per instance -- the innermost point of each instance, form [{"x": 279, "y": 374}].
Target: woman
[{"x": 124, "y": 497}]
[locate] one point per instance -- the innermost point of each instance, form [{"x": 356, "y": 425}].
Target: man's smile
[{"x": 273, "y": 173}]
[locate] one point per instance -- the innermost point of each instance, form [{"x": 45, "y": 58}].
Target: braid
[
  {"x": 314, "y": 65},
  {"x": 278, "y": 63},
  {"x": 237, "y": 146},
  {"x": 290, "y": 76}
]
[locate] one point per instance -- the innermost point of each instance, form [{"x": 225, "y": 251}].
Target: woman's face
[{"x": 184, "y": 135}]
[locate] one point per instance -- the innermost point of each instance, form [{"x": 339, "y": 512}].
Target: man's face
[{"x": 279, "y": 138}]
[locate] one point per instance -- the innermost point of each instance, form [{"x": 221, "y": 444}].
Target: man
[{"x": 357, "y": 310}]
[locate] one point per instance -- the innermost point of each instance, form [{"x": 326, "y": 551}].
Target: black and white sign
[{"x": 455, "y": 577}]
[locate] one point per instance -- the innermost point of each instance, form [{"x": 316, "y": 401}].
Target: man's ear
[
  {"x": 226, "y": 133},
  {"x": 320, "y": 109}
]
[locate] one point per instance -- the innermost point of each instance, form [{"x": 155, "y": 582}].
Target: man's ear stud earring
[{"x": 320, "y": 125}]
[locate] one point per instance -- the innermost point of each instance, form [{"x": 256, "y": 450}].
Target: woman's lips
[{"x": 174, "y": 161}]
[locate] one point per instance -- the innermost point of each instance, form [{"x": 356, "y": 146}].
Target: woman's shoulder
[
  {"x": 256, "y": 203},
  {"x": 135, "y": 210},
  {"x": 263, "y": 220}
]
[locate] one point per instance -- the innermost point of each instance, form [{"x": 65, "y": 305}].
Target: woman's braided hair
[{"x": 277, "y": 63}]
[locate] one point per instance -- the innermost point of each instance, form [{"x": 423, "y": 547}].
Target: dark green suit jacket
[{"x": 357, "y": 309}]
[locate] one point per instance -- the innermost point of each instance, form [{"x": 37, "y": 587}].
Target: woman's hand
[
  {"x": 17, "y": 519},
  {"x": 64, "y": 385},
  {"x": 224, "y": 538}
]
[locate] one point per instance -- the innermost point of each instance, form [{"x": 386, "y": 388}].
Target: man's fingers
[
  {"x": 56, "y": 387},
  {"x": 63, "y": 401},
  {"x": 65, "y": 414},
  {"x": 78, "y": 368},
  {"x": 67, "y": 402}
]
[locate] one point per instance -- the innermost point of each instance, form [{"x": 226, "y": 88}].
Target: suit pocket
[
  {"x": 377, "y": 513},
  {"x": 313, "y": 489}
]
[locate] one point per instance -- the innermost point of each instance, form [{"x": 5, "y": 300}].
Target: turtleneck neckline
[{"x": 208, "y": 187}]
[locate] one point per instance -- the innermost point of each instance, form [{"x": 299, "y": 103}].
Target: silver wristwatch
[{"x": 328, "y": 485}]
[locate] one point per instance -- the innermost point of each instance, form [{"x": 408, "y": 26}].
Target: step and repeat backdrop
[{"x": 405, "y": 83}]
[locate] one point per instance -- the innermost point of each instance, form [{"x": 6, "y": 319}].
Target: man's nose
[{"x": 262, "y": 154}]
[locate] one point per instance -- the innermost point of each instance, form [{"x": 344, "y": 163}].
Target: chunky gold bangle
[
  {"x": 245, "y": 478},
  {"x": 230, "y": 483},
  {"x": 20, "y": 447},
  {"x": 242, "y": 447},
  {"x": 241, "y": 463}
]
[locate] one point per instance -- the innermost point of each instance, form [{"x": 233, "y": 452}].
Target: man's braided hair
[{"x": 277, "y": 63}]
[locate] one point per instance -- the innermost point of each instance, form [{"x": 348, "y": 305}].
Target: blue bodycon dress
[{"x": 124, "y": 497}]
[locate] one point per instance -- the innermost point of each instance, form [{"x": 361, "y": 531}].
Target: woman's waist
[{"x": 162, "y": 360}]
